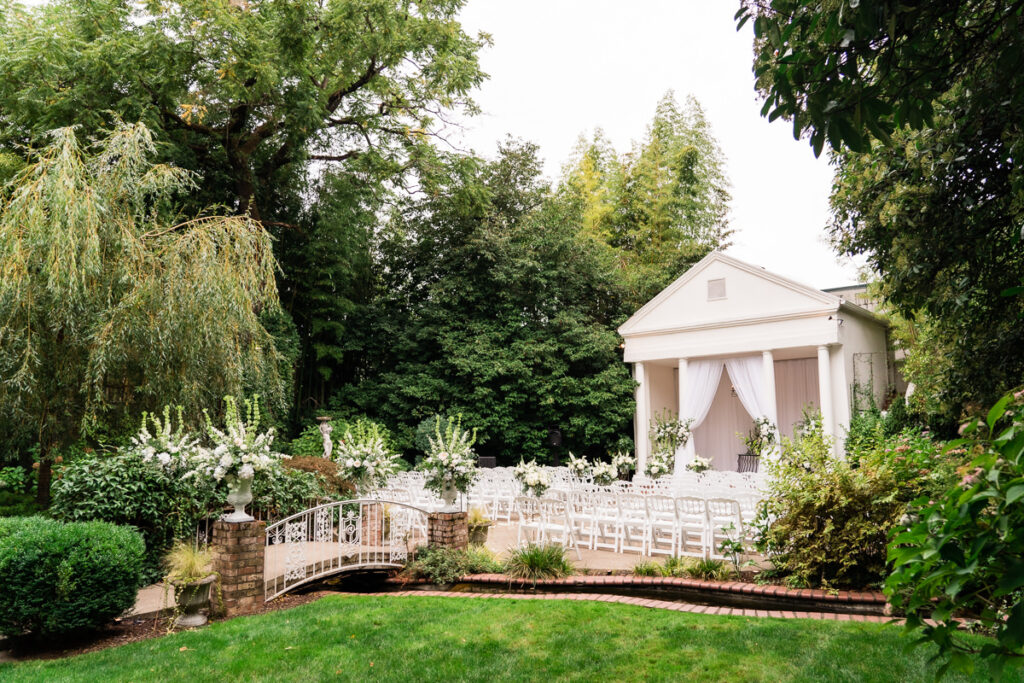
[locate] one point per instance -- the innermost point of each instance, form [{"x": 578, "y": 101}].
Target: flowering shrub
[
  {"x": 659, "y": 464},
  {"x": 363, "y": 457},
  {"x": 624, "y": 462},
  {"x": 825, "y": 520},
  {"x": 239, "y": 449},
  {"x": 761, "y": 437},
  {"x": 170, "y": 449},
  {"x": 699, "y": 464},
  {"x": 532, "y": 477},
  {"x": 604, "y": 473},
  {"x": 579, "y": 467},
  {"x": 450, "y": 460},
  {"x": 670, "y": 433}
]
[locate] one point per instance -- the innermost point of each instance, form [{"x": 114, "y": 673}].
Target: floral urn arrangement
[
  {"x": 624, "y": 462},
  {"x": 659, "y": 464},
  {"x": 761, "y": 437},
  {"x": 579, "y": 467},
  {"x": 450, "y": 465},
  {"x": 532, "y": 477},
  {"x": 363, "y": 457},
  {"x": 239, "y": 451}
]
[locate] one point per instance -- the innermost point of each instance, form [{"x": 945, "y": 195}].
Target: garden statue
[{"x": 325, "y": 430}]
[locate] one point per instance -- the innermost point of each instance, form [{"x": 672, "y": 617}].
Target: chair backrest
[
  {"x": 633, "y": 504},
  {"x": 690, "y": 507},
  {"x": 527, "y": 506},
  {"x": 660, "y": 506}
]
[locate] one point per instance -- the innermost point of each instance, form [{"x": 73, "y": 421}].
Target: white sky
[{"x": 559, "y": 68}]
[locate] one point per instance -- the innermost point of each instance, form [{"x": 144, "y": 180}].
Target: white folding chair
[
  {"x": 691, "y": 518},
  {"x": 725, "y": 523},
  {"x": 663, "y": 537},
  {"x": 634, "y": 524}
]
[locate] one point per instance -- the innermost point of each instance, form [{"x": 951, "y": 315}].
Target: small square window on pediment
[{"x": 716, "y": 289}]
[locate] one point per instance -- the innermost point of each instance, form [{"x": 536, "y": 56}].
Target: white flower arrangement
[
  {"x": 605, "y": 473},
  {"x": 699, "y": 464},
  {"x": 624, "y": 462},
  {"x": 451, "y": 460},
  {"x": 761, "y": 437},
  {"x": 239, "y": 449},
  {"x": 579, "y": 467},
  {"x": 532, "y": 477},
  {"x": 363, "y": 457},
  {"x": 659, "y": 464},
  {"x": 669, "y": 433},
  {"x": 169, "y": 449}
]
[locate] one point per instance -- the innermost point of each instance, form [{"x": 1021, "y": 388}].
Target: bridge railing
[{"x": 340, "y": 536}]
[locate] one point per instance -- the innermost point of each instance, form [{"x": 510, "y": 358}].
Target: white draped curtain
[{"x": 702, "y": 377}]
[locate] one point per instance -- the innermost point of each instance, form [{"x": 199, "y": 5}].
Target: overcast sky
[{"x": 559, "y": 68}]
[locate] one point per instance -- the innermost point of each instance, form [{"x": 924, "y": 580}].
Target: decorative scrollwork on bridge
[{"x": 337, "y": 537}]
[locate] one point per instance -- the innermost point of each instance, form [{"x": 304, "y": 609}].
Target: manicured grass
[{"x": 433, "y": 638}]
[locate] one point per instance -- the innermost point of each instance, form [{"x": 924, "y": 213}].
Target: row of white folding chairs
[
  {"x": 651, "y": 525},
  {"x": 544, "y": 520}
]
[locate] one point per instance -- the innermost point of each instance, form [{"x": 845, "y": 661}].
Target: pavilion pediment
[{"x": 721, "y": 290}]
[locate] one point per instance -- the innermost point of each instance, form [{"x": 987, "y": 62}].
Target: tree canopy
[
  {"x": 110, "y": 301},
  {"x": 659, "y": 208},
  {"x": 493, "y": 305}
]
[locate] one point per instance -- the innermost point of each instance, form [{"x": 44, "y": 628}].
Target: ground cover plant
[
  {"x": 448, "y": 565},
  {"x": 432, "y": 638}
]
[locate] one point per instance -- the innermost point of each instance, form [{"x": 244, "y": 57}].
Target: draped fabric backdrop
[{"x": 702, "y": 377}]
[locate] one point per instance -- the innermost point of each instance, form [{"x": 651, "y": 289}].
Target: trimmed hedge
[{"x": 59, "y": 578}]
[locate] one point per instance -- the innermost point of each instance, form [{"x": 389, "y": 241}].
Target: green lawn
[{"x": 431, "y": 638}]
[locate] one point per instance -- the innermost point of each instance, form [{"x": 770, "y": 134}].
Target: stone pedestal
[
  {"x": 448, "y": 530},
  {"x": 238, "y": 549}
]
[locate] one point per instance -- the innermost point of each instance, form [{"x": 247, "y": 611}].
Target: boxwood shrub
[{"x": 60, "y": 578}]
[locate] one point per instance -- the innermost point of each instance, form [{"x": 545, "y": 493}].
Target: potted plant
[
  {"x": 760, "y": 440},
  {"x": 364, "y": 458},
  {"x": 699, "y": 464},
  {"x": 625, "y": 463},
  {"x": 478, "y": 524},
  {"x": 604, "y": 473},
  {"x": 190, "y": 574},
  {"x": 659, "y": 464}
]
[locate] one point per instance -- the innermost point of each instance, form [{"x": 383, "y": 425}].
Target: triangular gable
[{"x": 750, "y": 292}]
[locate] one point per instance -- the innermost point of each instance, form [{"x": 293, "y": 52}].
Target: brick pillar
[
  {"x": 238, "y": 549},
  {"x": 447, "y": 530}
]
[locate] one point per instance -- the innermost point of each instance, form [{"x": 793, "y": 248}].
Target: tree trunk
[{"x": 44, "y": 477}]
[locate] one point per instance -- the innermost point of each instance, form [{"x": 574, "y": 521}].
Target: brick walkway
[{"x": 641, "y": 602}]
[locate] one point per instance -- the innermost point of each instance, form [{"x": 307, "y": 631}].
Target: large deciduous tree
[
  {"x": 494, "y": 305},
  {"x": 110, "y": 301},
  {"x": 659, "y": 208},
  {"x": 922, "y": 104},
  {"x": 241, "y": 89}
]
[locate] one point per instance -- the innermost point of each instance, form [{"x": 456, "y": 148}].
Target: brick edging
[
  {"x": 729, "y": 587},
  {"x": 644, "y": 602}
]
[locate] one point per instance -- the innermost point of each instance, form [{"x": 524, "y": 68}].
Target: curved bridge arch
[{"x": 337, "y": 537}]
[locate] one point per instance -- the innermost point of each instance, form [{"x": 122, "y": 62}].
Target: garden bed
[{"x": 717, "y": 593}]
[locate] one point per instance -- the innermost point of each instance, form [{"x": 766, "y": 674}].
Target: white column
[
  {"x": 825, "y": 391},
  {"x": 679, "y": 403},
  {"x": 643, "y": 416},
  {"x": 769, "y": 385}
]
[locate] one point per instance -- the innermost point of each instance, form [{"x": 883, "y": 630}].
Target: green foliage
[
  {"x": 535, "y": 562},
  {"x": 448, "y": 565},
  {"x": 123, "y": 489},
  {"x": 61, "y": 578},
  {"x": 18, "y": 504},
  {"x": 14, "y": 479},
  {"x": 825, "y": 520},
  {"x": 659, "y": 208},
  {"x": 102, "y": 283},
  {"x": 310, "y": 443},
  {"x": 706, "y": 569},
  {"x": 646, "y": 568},
  {"x": 188, "y": 562},
  {"x": 282, "y": 491},
  {"x": 425, "y": 432},
  {"x": 458, "y": 330},
  {"x": 957, "y": 559}
]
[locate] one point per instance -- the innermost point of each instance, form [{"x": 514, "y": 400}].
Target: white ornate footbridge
[{"x": 339, "y": 537}]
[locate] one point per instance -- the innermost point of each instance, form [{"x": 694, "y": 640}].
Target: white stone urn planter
[
  {"x": 190, "y": 599},
  {"x": 448, "y": 494},
  {"x": 239, "y": 495}
]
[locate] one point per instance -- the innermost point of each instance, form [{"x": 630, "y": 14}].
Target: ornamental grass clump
[
  {"x": 535, "y": 562},
  {"x": 532, "y": 478},
  {"x": 363, "y": 456},
  {"x": 450, "y": 461}
]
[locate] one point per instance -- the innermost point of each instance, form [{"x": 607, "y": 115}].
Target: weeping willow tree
[{"x": 112, "y": 303}]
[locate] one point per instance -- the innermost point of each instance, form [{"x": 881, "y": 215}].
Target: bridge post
[
  {"x": 448, "y": 530},
  {"x": 238, "y": 549}
]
